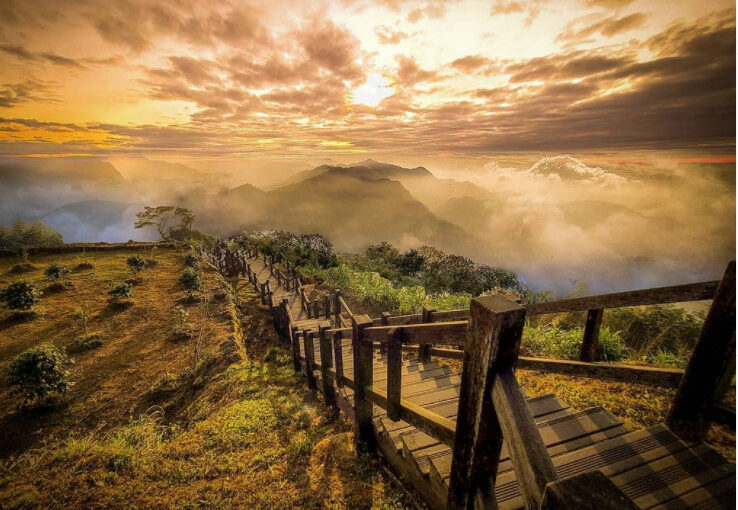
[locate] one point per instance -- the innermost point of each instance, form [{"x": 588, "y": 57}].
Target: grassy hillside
[{"x": 146, "y": 423}]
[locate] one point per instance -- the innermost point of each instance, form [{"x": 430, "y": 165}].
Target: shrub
[
  {"x": 119, "y": 292},
  {"x": 84, "y": 343},
  {"x": 137, "y": 263},
  {"x": 190, "y": 260},
  {"x": 20, "y": 296},
  {"x": 25, "y": 267},
  {"x": 39, "y": 372},
  {"x": 56, "y": 272},
  {"x": 190, "y": 280},
  {"x": 180, "y": 320},
  {"x": 82, "y": 266},
  {"x": 550, "y": 341}
]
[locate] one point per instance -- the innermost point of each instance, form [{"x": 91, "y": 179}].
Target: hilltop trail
[{"x": 652, "y": 467}]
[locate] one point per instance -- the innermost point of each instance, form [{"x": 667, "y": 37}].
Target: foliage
[
  {"x": 39, "y": 372},
  {"x": 120, "y": 291},
  {"x": 20, "y": 295},
  {"x": 553, "y": 342},
  {"x": 56, "y": 271},
  {"x": 190, "y": 280},
  {"x": 311, "y": 250},
  {"x": 22, "y": 235},
  {"x": 379, "y": 294},
  {"x": 84, "y": 343},
  {"x": 136, "y": 263},
  {"x": 165, "y": 219},
  {"x": 181, "y": 321},
  {"x": 191, "y": 260}
]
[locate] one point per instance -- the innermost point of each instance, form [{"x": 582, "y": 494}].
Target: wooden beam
[
  {"x": 337, "y": 306},
  {"x": 326, "y": 363},
  {"x": 587, "y": 490},
  {"x": 363, "y": 377},
  {"x": 419, "y": 417},
  {"x": 492, "y": 344},
  {"x": 689, "y": 416},
  {"x": 338, "y": 352},
  {"x": 423, "y": 354},
  {"x": 443, "y": 333},
  {"x": 591, "y": 340},
  {"x": 656, "y": 296},
  {"x": 532, "y": 465},
  {"x": 394, "y": 373},
  {"x": 307, "y": 338}
]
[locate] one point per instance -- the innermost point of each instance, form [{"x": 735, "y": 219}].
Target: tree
[
  {"x": 23, "y": 235},
  {"x": 20, "y": 296},
  {"x": 410, "y": 262},
  {"x": 39, "y": 372},
  {"x": 158, "y": 217},
  {"x": 165, "y": 219}
]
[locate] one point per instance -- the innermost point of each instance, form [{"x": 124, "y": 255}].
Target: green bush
[
  {"x": 84, "y": 343},
  {"x": 191, "y": 260},
  {"x": 56, "y": 271},
  {"x": 136, "y": 263},
  {"x": 190, "y": 280},
  {"x": 39, "y": 372},
  {"x": 119, "y": 292},
  {"x": 552, "y": 342},
  {"x": 20, "y": 296}
]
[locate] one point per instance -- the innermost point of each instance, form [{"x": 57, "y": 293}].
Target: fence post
[
  {"x": 262, "y": 292},
  {"x": 268, "y": 287},
  {"x": 689, "y": 416},
  {"x": 363, "y": 377},
  {"x": 337, "y": 306},
  {"x": 309, "y": 358},
  {"x": 395, "y": 339},
  {"x": 492, "y": 343},
  {"x": 326, "y": 362},
  {"x": 294, "y": 337},
  {"x": 338, "y": 353},
  {"x": 327, "y": 306},
  {"x": 591, "y": 339},
  {"x": 424, "y": 350}
]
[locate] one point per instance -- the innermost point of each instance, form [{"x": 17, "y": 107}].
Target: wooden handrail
[
  {"x": 654, "y": 296},
  {"x": 438, "y": 333},
  {"x": 532, "y": 464}
]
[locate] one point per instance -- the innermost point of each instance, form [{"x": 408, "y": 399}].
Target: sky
[{"x": 419, "y": 79}]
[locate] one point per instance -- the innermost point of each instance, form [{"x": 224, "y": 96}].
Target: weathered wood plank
[
  {"x": 530, "y": 459},
  {"x": 493, "y": 338},
  {"x": 363, "y": 378},
  {"x": 656, "y": 296},
  {"x": 309, "y": 358},
  {"x": 444, "y": 333},
  {"x": 714, "y": 353},
  {"x": 394, "y": 373}
]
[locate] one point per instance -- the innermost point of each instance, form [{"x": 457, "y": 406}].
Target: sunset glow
[{"x": 462, "y": 77}]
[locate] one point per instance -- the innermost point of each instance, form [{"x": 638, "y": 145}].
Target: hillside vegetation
[{"x": 200, "y": 412}]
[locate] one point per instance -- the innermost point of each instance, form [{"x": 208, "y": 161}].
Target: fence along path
[{"x": 472, "y": 439}]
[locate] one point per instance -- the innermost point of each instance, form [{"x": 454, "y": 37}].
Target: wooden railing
[{"x": 492, "y": 405}]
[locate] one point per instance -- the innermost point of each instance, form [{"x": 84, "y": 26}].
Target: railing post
[
  {"x": 395, "y": 339},
  {"x": 337, "y": 306},
  {"x": 591, "y": 339},
  {"x": 424, "y": 350},
  {"x": 268, "y": 287},
  {"x": 690, "y": 412},
  {"x": 262, "y": 292},
  {"x": 327, "y": 306},
  {"x": 326, "y": 362},
  {"x": 363, "y": 377},
  {"x": 294, "y": 337},
  {"x": 492, "y": 343},
  {"x": 338, "y": 354},
  {"x": 309, "y": 358}
]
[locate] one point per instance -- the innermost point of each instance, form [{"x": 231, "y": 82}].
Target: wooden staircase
[{"x": 653, "y": 467}]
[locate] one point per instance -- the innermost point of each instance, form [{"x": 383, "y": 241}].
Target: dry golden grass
[
  {"x": 249, "y": 436},
  {"x": 137, "y": 350}
]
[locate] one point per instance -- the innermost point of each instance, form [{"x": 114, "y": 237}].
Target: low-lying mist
[{"x": 558, "y": 221}]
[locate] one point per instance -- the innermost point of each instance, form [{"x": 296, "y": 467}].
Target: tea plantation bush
[{"x": 39, "y": 372}]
